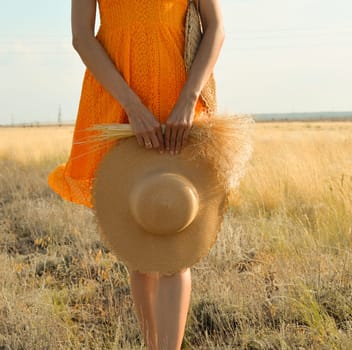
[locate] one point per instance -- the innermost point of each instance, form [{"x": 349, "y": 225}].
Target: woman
[{"x": 135, "y": 74}]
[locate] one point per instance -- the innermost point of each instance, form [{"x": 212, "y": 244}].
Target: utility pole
[{"x": 59, "y": 114}]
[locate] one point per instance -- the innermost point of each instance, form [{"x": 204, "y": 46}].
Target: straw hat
[
  {"x": 159, "y": 212},
  {"x": 155, "y": 211}
]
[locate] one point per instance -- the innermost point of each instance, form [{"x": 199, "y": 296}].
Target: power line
[
  {"x": 239, "y": 48},
  {"x": 231, "y": 35},
  {"x": 59, "y": 47},
  {"x": 276, "y": 31}
]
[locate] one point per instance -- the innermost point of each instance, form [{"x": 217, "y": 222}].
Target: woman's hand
[
  {"x": 145, "y": 126},
  {"x": 179, "y": 124}
]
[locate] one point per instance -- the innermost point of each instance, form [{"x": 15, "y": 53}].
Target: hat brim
[{"x": 122, "y": 167}]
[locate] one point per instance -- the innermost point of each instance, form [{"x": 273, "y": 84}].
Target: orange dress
[{"x": 145, "y": 40}]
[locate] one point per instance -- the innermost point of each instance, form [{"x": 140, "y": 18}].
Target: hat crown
[{"x": 164, "y": 203}]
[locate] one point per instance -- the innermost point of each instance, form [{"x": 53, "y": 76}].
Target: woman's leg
[
  {"x": 143, "y": 287},
  {"x": 172, "y": 304}
]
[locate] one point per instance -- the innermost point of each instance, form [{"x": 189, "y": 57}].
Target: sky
[{"x": 279, "y": 56}]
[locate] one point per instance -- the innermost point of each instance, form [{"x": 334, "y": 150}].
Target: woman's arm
[
  {"x": 146, "y": 127},
  {"x": 181, "y": 119}
]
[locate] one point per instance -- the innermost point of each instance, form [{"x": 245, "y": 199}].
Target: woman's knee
[
  {"x": 174, "y": 273},
  {"x": 157, "y": 274},
  {"x": 143, "y": 273}
]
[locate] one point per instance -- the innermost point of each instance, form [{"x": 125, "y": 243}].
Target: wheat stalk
[{"x": 225, "y": 140}]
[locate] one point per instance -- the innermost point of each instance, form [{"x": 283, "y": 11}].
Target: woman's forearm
[
  {"x": 180, "y": 120},
  {"x": 204, "y": 62},
  {"x": 208, "y": 51},
  {"x": 103, "y": 69}
]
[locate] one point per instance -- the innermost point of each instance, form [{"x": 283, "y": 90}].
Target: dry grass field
[{"x": 278, "y": 277}]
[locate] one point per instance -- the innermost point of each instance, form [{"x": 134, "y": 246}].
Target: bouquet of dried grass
[{"x": 225, "y": 140}]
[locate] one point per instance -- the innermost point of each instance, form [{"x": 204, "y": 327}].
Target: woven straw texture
[
  {"x": 214, "y": 160},
  {"x": 193, "y": 37},
  {"x": 126, "y": 165}
]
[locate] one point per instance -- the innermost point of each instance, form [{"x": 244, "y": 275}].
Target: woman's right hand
[{"x": 145, "y": 126}]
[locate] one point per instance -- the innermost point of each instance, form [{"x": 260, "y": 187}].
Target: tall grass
[{"x": 278, "y": 277}]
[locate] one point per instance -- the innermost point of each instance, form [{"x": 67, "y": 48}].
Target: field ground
[{"x": 278, "y": 277}]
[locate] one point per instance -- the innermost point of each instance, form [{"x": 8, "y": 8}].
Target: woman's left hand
[{"x": 178, "y": 125}]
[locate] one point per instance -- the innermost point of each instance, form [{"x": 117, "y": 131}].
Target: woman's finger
[
  {"x": 167, "y": 136},
  {"x": 185, "y": 136},
  {"x": 147, "y": 142},
  {"x": 179, "y": 139},
  {"x": 154, "y": 139},
  {"x": 140, "y": 140},
  {"x": 159, "y": 134},
  {"x": 174, "y": 131}
]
